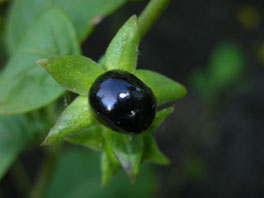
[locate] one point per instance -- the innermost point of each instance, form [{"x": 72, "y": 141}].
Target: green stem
[
  {"x": 150, "y": 14},
  {"x": 46, "y": 171},
  {"x": 20, "y": 178}
]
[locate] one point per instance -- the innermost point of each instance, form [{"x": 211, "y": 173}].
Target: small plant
[
  {"x": 52, "y": 42},
  {"x": 78, "y": 124}
]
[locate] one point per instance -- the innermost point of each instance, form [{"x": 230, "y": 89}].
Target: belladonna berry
[{"x": 122, "y": 102}]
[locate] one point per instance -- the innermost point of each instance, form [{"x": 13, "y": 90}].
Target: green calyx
[{"x": 77, "y": 123}]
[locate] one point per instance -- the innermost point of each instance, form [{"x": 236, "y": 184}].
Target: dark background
[
  {"x": 216, "y": 147},
  {"x": 215, "y": 136}
]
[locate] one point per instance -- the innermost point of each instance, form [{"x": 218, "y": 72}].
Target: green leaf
[
  {"x": 75, "y": 73},
  {"x": 15, "y": 133},
  {"x": 77, "y": 174},
  {"x": 76, "y": 117},
  {"x": 226, "y": 70},
  {"x": 128, "y": 151},
  {"x": 122, "y": 52},
  {"x": 226, "y": 65},
  {"x": 91, "y": 137},
  {"x": 84, "y": 14},
  {"x": 108, "y": 169},
  {"x": 163, "y": 88},
  {"x": 2, "y": 50},
  {"x": 152, "y": 152},
  {"x": 24, "y": 85},
  {"x": 159, "y": 118},
  {"x": 198, "y": 81}
]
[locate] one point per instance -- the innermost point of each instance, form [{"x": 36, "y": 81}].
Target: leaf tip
[
  {"x": 133, "y": 179},
  {"x": 184, "y": 92},
  {"x": 133, "y": 17},
  {"x": 97, "y": 19},
  {"x": 46, "y": 141},
  {"x": 170, "y": 110},
  {"x": 42, "y": 62},
  {"x": 134, "y": 20},
  {"x": 132, "y": 176},
  {"x": 104, "y": 183},
  {"x": 166, "y": 161}
]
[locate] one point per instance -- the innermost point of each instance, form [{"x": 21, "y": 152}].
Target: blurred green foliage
[
  {"x": 22, "y": 78},
  {"x": 34, "y": 30},
  {"x": 17, "y": 132},
  {"x": 225, "y": 69},
  {"x": 249, "y": 17},
  {"x": 195, "y": 168},
  {"x": 84, "y": 15},
  {"x": 77, "y": 174},
  {"x": 2, "y": 52}
]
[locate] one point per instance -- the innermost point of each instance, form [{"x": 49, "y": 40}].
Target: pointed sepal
[
  {"x": 122, "y": 52},
  {"x": 159, "y": 118},
  {"x": 75, "y": 73},
  {"x": 90, "y": 137},
  {"x": 108, "y": 169},
  {"x": 76, "y": 117},
  {"x": 152, "y": 152},
  {"x": 165, "y": 89},
  {"x": 128, "y": 150}
]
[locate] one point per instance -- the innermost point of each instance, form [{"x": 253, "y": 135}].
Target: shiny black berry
[{"x": 122, "y": 102}]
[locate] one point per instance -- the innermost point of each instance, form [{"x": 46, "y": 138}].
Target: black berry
[{"x": 122, "y": 102}]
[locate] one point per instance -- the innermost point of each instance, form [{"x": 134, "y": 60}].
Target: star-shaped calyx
[{"x": 78, "y": 124}]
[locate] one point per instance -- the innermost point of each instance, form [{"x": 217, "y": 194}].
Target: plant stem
[
  {"x": 150, "y": 14},
  {"x": 46, "y": 171},
  {"x": 20, "y": 178}
]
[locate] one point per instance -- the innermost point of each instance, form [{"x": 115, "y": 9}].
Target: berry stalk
[{"x": 150, "y": 14}]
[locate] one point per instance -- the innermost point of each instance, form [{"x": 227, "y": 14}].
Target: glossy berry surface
[{"x": 122, "y": 102}]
